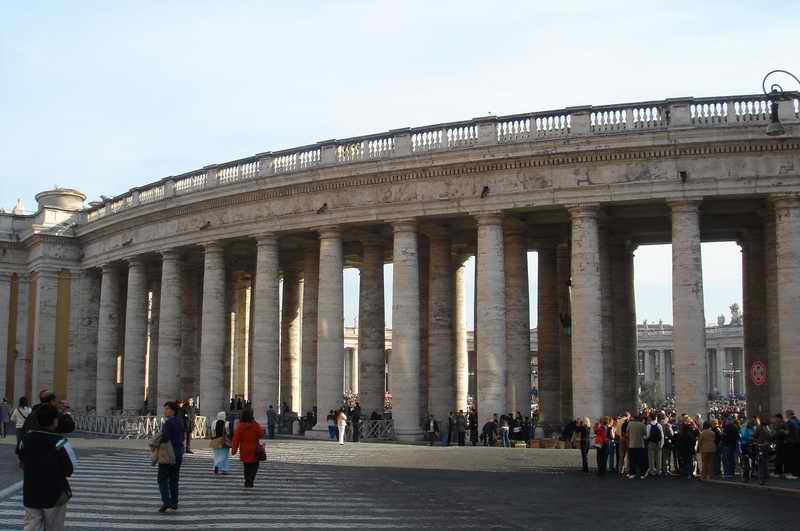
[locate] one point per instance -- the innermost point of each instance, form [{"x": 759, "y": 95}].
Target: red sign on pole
[{"x": 758, "y": 373}]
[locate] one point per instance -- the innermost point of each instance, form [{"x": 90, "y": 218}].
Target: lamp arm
[{"x": 775, "y": 88}]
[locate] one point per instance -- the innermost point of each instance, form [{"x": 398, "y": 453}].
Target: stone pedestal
[
  {"x": 108, "y": 340},
  {"x": 215, "y": 329},
  {"x": 266, "y": 323},
  {"x": 518, "y": 336},
  {"x": 689, "y": 340},
  {"x": 587, "y": 337},
  {"x": 490, "y": 302},
  {"x": 169, "y": 333},
  {"x": 405, "y": 359},
  {"x": 371, "y": 326},
  {"x": 330, "y": 326},
  {"x": 135, "y": 337},
  {"x": 548, "y": 349}
]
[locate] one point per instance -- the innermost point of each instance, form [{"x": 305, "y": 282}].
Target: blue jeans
[
  {"x": 168, "y": 476},
  {"x": 505, "y": 443},
  {"x": 271, "y": 431},
  {"x": 221, "y": 462},
  {"x": 332, "y": 432},
  {"x": 729, "y": 459},
  {"x": 612, "y": 455}
]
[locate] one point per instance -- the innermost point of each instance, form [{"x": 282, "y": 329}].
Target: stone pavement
[{"x": 317, "y": 484}]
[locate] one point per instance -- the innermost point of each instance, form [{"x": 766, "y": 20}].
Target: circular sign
[{"x": 758, "y": 372}]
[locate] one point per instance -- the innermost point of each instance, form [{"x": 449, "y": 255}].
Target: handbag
[
  {"x": 217, "y": 443},
  {"x": 261, "y": 452}
]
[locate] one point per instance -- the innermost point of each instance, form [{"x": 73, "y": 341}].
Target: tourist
[
  {"x": 5, "y": 415},
  {"x": 728, "y": 444},
  {"x": 461, "y": 428},
  {"x": 190, "y": 413},
  {"x": 654, "y": 436},
  {"x": 792, "y": 465},
  {"x": 341, "y": 424},
  {"x": 583, "y": 439},
  {"x": 685, "y": 446},
  {"x": 613, "y": 445},
  {"x": 717, "y": 440},
  {"x": 473, "y": 427},
  {"x": 19, "y": 415},
  {"x": 247, "y": 442},
  {"x": 272, "y": 420},
  {"x": 636, "y": 449},
  {"x": 451, "y": 428},
  {"x": 622, "y": 430},
  {"x": 65, "y": 422},
  {"x": 779, "y": 437},
  {"x": 600, "y": 430},
  {"x": 331, "y": 418},
  {"x": 355, "y": 421},
  {"x": 444, "y": 431},
  {"x": 745, "y": 438},
  {"x": 221, "y": 445},
  {"x": 666, "y": 448},
  {"x": 490, "y": 432},
  {"x": 173, "y": 432},
  {"x": 431, "y": 428},
  {"x": 44, "y": 454},
  {"x": 504, "y": 432},
  {"x": 762, "y": 437},
  {"x": 707, "y": 447}
]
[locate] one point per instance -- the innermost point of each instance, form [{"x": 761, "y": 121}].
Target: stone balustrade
[{"x": 479, "y": 132}]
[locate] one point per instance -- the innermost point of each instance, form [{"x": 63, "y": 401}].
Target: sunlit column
[
  {"x": 108, "y": 340},
  {"x": 548, "y": 348},
  {"x": 266, "y": 325},
  {"x": 135, "y": 336},
  {"x": 215, "y": 328},
  {"x": 169, "y": 331},
  {"x": 518, "y": 336},
  {"x": 441, "y": 371},
  {"x": 461, "y": 357}
]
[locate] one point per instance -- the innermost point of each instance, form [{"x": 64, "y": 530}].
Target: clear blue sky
[{"x": 103, "y": 96}]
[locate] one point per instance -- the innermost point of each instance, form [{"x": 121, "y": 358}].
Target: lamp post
[{"x": 776, "y": 94}]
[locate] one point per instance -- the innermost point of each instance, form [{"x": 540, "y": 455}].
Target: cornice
[{"x": 456, "y": 169}]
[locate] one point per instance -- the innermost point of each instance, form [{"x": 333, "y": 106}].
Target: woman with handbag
[
  {"x": 247, "y": 441},
  {"x": 221, "y": 445}
]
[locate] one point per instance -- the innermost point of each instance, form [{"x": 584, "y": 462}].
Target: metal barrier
[
  {"x": 375, "y": 430},
  {"x": 131, "y": 426}
]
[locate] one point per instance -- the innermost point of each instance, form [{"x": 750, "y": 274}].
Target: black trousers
[
  {"x": 250, "y": 471},
  {"x": 462, "y": 438},
  {"x": 168, "y": 478}
]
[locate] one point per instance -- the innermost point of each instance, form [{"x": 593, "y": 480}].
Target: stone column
[
  {"x": 563, "y": 262},
  {"x": 354, "y": 371},
  {"x": 607, "y": 319},
  {"x": 23, "y": 360},
  {"x": 723, "y": 384},
  {"x": 518, "y": 334},
  {"x": 548, "y": 350},
  {"x": 44, "y": 333},
  {"x": 755, "y": 319},
  {"x": 649, "y": 369},
  {"x": 371, "y": 326},
  {"x": 773, "y": 328},
  {"x": 214, "y": 330},
  {"x": 441, "y": 370},
  {"x": 135, "y": 336},
  {"x": 290, "y": 340},
  {"x": 308, "y": 378},
  {"x": 689, "y": 339},
  {"x": 85, "y": 312},
  {"x": 266, "y": 327},
  {"x": 154, "y": 322},
  {"x": 405, "y": 361},
  {"x": 330, "y": 325},
  {"x": 461, "y": 357},
  {"x": 490, "y": 301},
  {"x": 624, "y": 305},
  {"x": 5, "y": 311},
  {"x": 587, "y": 335},
  {"x": 787, "y": 237},
  {"x": 191, "y": 316},
  {"x": 108, "y": 340},
  {"x": 169, "y": 333},
  {"x": 423, "y": 260}
]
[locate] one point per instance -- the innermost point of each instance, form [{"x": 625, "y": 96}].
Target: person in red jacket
[
  {"x": 601, "y": 444},
  {"x": 246, "y": 440}
]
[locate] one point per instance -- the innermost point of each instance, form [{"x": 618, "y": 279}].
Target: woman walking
[
  {"x": 221, "y": 445},
  {"x": 246, "y": 441},
  {"x": 331, "y": 425},
  {"x": 20, "y": 414},
  {"x": 172, "y": 432},
  {"x": 341, "y": 423}
]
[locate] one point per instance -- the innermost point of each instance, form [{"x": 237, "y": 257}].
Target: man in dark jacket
[
  {"x": 47, "y": 465},
  {"x": 65, "y": 422},
  {"x": 173, "y": 432},
  {"x": 461, "y": 427}
]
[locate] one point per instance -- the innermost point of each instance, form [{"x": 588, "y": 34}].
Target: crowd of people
[
  {"x": 656, "y": 443},
  {"x": 500, "y": 430}
]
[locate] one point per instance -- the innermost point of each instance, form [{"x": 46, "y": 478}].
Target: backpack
[{"x": 655, "y": 434}]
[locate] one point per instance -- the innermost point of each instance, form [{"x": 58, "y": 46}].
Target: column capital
[
  {"x": 586, "y": 210},
  {"x": 136, "y": 261},
  {"x": 684, "y": 205},
  {"x": 404, "y": 225},
  {"x": 213, "y": 247},
  {"x": 266, "y": 238},
  {"x": 436, "y": 232},
  {"x": 171, "y": 255},
  {"x": 109, "y": 268},
  {"x": 330, "y": 233},
  {"x": 784, "y": 201},
  {"x": 46, "y": 273},
  {"x": 489, "y": 218}
]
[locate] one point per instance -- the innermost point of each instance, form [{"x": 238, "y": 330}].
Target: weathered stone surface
[
  {"x": 169, "y": 334},
  {"x": 135, "y": 337},
  {"x": 108, "y": 340},
  {"x": 291, "y": 340},
  {"x": 787, "y": 237},
  {"x": 548, "y": 349},
  {"x": 441, "y": 370},
  {"x": 518, "y": 336},
  {"x": 266, "y": 323},
  {"x": 371, "y": 326},
  {"x": 212, "y": 345},
  {"x": 308, "y": 356}
]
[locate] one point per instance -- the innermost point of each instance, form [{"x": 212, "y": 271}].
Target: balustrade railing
[
  {"x": 728, "y": 111},
  {"x": 131, "y": 426}
]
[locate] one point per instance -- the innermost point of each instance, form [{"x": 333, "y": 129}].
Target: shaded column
[
  {"x": 441, "y": 370},
  {"x": 290, "y": 340},
  {"x": 85, "y": 313},
  {"x": 169, "y": 332},
  {"x": 755, "y": 320},
  {"x": 624, "y": 315},
  {"x": 689, "y": 339},
  {"x": 266, "y": 327},
  {"x": 490, "y": 301},
  {"x": 371, "y": 326},
  {"x": 135, "y": 336},
  {"x": 108, "y": 340},
  {"x": 6, "y": 357},
  {"x": 607, "y": 319},
  {"x": 787, "y": 237},
  {"x": 308, "y": 377},
  {"x": 563, "y": 263},
  {"x": 22, "y": 363},
  {"x": 460, "y": 351},
  {"x": 154, "y": 325},
  {"x": 44, "y": 332},
  {"x": 718, "y": 373},
  {"x": 405, "y": 360},
  {"x": 773, "y": 323},
  {"x": 548, "y": 349},
  {"x": 214, "y": 330},
  {"x": 330, "y": 325},
  {"x": 423, "y": 259},
  {"x": 518, "y": 335},
  {"x": 587, "y": 335}
]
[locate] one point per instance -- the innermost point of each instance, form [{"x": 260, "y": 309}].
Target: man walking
[
  {"x": 636, "y": 450},
  {"x": 355, "y": 417},
  {"x": 47, "y": 465},
  {"x": 5, "y": 413},
  {"x": 451, "y": 428},
  {"x": 461, "y": 428},
  {"x": 654, "y": 435},
  {"x": 272, "y": 420},
  {"x": 190, "y": 417},
  {"x": 169, "y": 474}
]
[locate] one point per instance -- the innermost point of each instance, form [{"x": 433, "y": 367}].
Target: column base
[{"x": 318, "y": 433}]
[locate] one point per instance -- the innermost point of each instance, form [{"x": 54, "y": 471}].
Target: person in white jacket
[
  {"x": 341, "y": 423},
  {"x": 654, "y": 438},
  {"x": 19, "y": 415}
]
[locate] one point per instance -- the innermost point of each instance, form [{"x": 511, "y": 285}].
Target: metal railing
[
  {"x": 131, "y": 426},
  {"x": 572, "y": 122},
  {"x": 374, "y": 430}
]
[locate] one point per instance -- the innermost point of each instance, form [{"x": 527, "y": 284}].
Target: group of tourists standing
[
  {"x": 497, "y": 430},
  {"x": 658, "y": 444}
]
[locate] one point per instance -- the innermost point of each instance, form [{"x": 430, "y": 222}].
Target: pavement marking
[{"x": 10, "y": 489}]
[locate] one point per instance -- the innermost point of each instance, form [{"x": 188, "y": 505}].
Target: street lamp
[{"x": 776, "y": 93}]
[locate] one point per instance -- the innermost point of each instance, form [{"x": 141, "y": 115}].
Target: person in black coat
[{"x": 65, "y": 422}]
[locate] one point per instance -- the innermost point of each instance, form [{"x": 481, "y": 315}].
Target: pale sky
[{"x": 103, "y": 96}]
